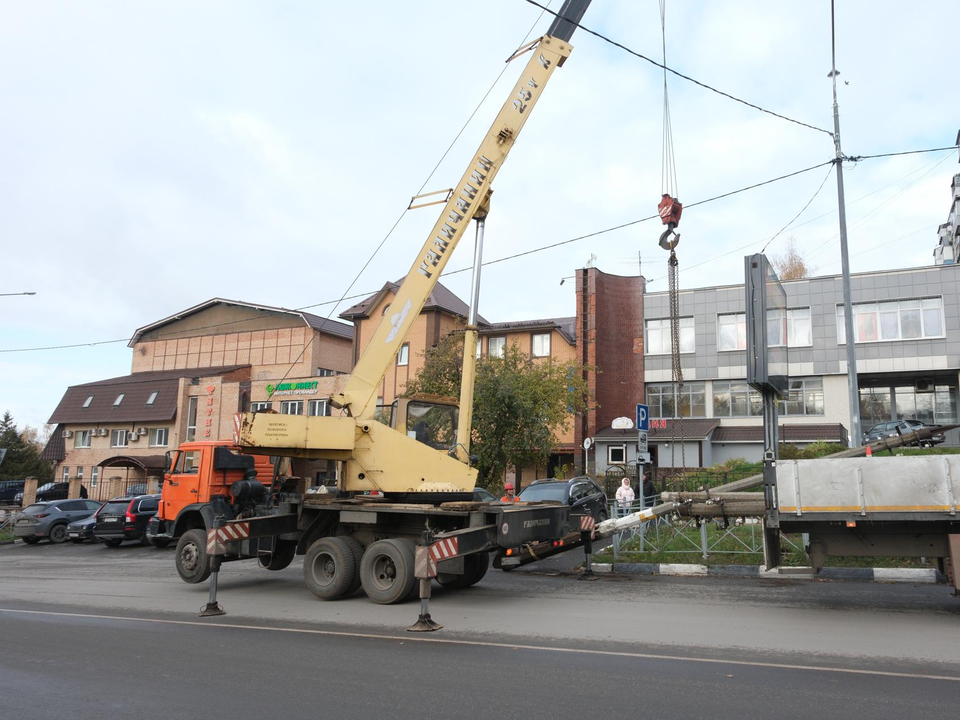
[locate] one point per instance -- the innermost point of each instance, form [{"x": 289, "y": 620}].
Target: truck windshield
[{"x": 433, "y": 425}]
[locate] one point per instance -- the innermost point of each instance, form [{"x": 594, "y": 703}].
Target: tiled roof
[
  {"x": 566, "y": 326},
  {"x": 796, "y": 432},
  {"x": 56, "y": 449},
  {"x": 442, "y": 298},
  {"x": 332, "y": 327},
  {"x": 693, "y": 429},
  {"x": 137, "y": 389}
]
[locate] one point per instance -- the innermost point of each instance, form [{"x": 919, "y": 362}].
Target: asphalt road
[{"x": 90, "y": 631}]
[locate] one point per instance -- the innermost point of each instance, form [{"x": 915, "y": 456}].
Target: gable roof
[
  {"x": 566, "y": 326},
  {"x": 331, "y": 327},
  {"x": 442, "y": 298},
  {"x": 56, "y": 448},
  {"x": 136, "y": 389}
]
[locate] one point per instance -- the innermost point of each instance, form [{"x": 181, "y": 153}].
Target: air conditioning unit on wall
[
  {"x": 103, "y": 432},
  {"x": 924, "y": 385},
  {"x": 68, "y": 433},
  {"x": 141, "y": 431},
  {"x": 132, "y": 437}
]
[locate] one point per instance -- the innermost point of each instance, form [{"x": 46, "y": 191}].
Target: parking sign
[{"x": 643, "y": 417}]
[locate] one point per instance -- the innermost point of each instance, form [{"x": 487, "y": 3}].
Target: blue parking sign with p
[{"x": 643, "y": 417}]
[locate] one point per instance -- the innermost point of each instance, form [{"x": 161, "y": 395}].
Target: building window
[
  {"x": 158, "y": 437},
  {"x": 66, "y": 473},
  {"x": 934, "y": 405},
  {"x": 118, "y": 438},
  {"x": 318, "y": 408},
  {"x": 804, "y": 397},
  {"x": 793, "y": 328},
  {"x": 616, "y": 454},
  {"x": 732, "y": 332},
  {"x": 664, "y": 400},
  {"x": 153, "y": 397},
  {"x": 325, "y": 372},
  {"x": 118, "y": 400},
  {"x": 80, "y": 473},
  {"x": 496, "y": 346},
  {"x": 291, "y": 407},
  {"x": 657, "y": 336},
  {"x": 260, "y": 406},
  {"x": 540, "y": 344},
  {"x": 894, "y": 320},
  {"x": 192, "y": 418},
  {"x": 86, "y": 403},
  {"x": 403, "y": 357},
  {"x": 81, "y": 438},
  {"x": 736, "y": 399},
  {"x": 94, "y": 476}
]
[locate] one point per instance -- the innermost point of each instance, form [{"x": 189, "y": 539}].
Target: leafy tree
[
  {"x": 520, "y": 405},
  {"x": 791, "y": 265},
  {"x": 23, "y": 456}
]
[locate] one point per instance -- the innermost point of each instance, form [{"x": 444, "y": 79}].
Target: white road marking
[{"x": 482, "y": 643}]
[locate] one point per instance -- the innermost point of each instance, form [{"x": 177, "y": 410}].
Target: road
[{"x": 107, "y": 631}]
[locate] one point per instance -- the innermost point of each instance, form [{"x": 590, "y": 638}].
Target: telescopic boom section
[{"x": 360, "y": 393}]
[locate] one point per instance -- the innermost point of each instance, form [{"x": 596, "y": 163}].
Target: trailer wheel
[
  {"x": 386, "y": 571},
  {"x": 330, "y": 568},
  {"x": 193, "y": 563},
  {"x": 474, "y": 568},
  {"x": 282, "y": 556}
]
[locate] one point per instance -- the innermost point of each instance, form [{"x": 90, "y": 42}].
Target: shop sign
[{"x": 292, "y": 388}]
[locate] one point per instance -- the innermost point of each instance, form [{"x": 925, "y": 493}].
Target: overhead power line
[
  {"x": 858, "y": 158},
  {"x": 685, "y": 77}
]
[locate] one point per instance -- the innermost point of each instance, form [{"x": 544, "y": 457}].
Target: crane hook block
[{"x": 670, "y": 210}]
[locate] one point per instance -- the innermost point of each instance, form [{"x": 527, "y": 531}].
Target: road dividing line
[{"x": 482, "y": 643}]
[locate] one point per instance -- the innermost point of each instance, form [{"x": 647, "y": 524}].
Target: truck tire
[
  {"x": 386, "y": 571},
  {"x": 281, "y": 557},
  {"x": 330, "y": 568},
  {"x": 193, "y": 564},
  {"x": 358, "y": 556},
  {"x": 474, "y": 568}
]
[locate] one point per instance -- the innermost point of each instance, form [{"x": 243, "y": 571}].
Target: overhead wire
[
  {"x": 795, "y": 217},
  {"x": 685, "y": 77}
]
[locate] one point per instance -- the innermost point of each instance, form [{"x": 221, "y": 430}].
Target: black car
[
  {"x": 902, "y": 427},
  {"x": 9, "y": 490},
  {"x": 125, "y": 518},
  {"x": 80, "y": 530},
  {"x": 52, "y": 491},
  {"x": 582, "y": 494}
]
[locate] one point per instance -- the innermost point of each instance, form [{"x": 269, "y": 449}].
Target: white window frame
[
  {"x": 94, "y": 476},
  {"x": 610, "y": 449},
  {"x": 79, "y": 474},
  {"x": 66, "y": 473},
  {"x": 788, "y": 326},
  {"x": 657, "y": 336},
  {"x": 115, "y": 434},
  {"x": 260, "y": 406},
  {"x": 879, "y": 307},
  {"x": 81, "y": 439},
  {"x": 782, "y": 405},
  {"x": 533, "y": 344},
  {"x": 155, "y": 436},
  {"x": 753, "y": 398},
  {"x": 193, "y": 405},
  {"x": 287, "y": 405},
  {"x": 153, "y": 397},
  {"x": 689, "y": 390},
  {"x": 314, "y": 405},
  {"x": 86, "y": 403},
  {"x": 500, "y": 341},
  {"x": 403, "y": 357},
  {"x": 116, "y": 403},
  {"x": 741, "y": 319}
]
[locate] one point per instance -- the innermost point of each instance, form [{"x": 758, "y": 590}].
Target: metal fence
[{"x": 8, "y": 516}]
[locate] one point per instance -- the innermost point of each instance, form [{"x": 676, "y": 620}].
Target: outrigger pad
[{"x": 424, "y": 624}]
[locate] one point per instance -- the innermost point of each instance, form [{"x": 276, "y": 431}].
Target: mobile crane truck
[{"x": 422, "y": 489}]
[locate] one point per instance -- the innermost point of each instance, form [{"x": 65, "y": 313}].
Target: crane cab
[{"x": 428, "y": 419}]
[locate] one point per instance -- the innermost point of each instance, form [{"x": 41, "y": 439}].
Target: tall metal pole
[{"x": 853, "y": 385}]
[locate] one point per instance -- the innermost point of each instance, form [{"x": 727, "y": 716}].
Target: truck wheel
[
  {"x": 58, "y": 533},
  {"x": 330, "y": 568},
  {"x": 193, "y": 565},
  {"x": 358, "y": 556},
  {"x": 281, "y": 557},
  {"x": 474, "y": 568},
  {"x": 386, "y": 572}
]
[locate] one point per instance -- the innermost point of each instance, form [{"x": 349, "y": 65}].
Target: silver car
[{"x": 50, "y": 519}]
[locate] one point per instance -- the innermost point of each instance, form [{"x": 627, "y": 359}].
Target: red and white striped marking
[
  {"x": 219, "y": 537},
  {"x": 424, "y": 566},
  {"x": 444, "y": 549},
  {"x": 587, "y": 523}
]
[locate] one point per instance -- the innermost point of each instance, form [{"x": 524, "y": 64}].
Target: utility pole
[{"x": 853, "y": 385}]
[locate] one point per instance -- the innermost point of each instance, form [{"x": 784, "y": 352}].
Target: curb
[{"x": 903, "y": 575}]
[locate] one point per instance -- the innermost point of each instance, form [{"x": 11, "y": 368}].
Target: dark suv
[
  {"x": 9, "y": 490},
  {"x": 125, "y": 518},
  {"x": 52, "y": 491},
  {"x": 582, "y": 494}
]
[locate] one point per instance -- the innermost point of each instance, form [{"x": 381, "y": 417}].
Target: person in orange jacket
[{"x": 510, "y": 494}]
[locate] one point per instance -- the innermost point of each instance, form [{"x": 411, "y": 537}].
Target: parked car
[
  {"x": 902, "y": 427},
  {"x": 52, "y": 491},
  {"x": 582, "y": 494},
  {"x": 80, "y": 530},
  {"x": 9, "y": 490},
  {"x": 125, "y": 518},
  {"x": 482, "y": 495},
  {"x": 50, "y": 519}
]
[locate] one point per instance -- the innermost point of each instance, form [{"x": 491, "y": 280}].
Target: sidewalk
[{"x": 906, "y": 575}]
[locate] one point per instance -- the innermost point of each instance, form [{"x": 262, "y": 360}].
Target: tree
[
  {"x": 519, "y": 404},
  {"x": 23, "y": 456},
  {"x": 791, "y": 265}
]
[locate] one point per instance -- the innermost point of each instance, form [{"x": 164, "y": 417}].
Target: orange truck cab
[{"x": 204, "y": 480}]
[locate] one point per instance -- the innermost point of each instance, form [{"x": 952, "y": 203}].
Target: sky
[{"x": 156, "y": 155}]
